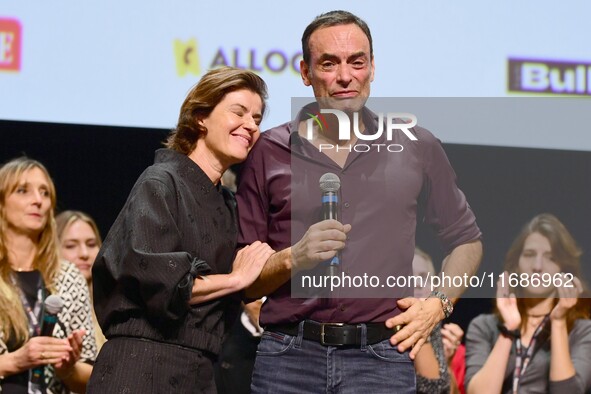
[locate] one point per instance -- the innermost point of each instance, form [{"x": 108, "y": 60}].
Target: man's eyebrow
[
  {"x": 357, "y": 55},
  {"x": 330, "y": 56}
]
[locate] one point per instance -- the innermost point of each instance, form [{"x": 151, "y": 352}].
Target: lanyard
[
  {"x": 36, "y": 375},
  {"x": 34, "y": 313},
  {"x": 524, "y": 355}
]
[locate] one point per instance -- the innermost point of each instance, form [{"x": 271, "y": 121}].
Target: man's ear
[{"x": 305, "y": 73}]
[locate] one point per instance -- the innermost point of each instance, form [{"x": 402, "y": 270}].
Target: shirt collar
[{"x": 187, "y": 169}]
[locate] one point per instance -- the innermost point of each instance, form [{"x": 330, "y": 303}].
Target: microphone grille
[
  {"x": 54, "y": 304},
  {"x": 330, "y": 182}
]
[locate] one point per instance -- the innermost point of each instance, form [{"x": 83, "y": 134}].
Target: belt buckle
[{"x": 322, "y": 333}]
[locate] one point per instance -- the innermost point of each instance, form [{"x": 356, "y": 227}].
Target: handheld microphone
[
  {"x": 329, "y": 185},
  {"x": 53, "y": 306}
]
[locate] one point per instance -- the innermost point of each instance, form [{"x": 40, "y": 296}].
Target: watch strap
[
  {"x": 513, "y": 334},
  {"x": 446, "y": 304}
]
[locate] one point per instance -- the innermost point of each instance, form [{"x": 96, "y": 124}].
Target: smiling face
[
  {"x": 537, "y": 257},
  {"x": 80, "y": 245},
  {"x": 233, "y": 127},
  {"x": 341, "y": 68},
  {"x": 27, "y": 207}
]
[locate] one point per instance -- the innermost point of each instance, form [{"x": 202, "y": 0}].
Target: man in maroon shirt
[{"x": 351, "y": 339}]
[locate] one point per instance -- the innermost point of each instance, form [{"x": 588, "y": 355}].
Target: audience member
[
  {"x": 539, "y": 338},
  {"x": 30, "y": 270},
  {"x": 80, "y": 241}
]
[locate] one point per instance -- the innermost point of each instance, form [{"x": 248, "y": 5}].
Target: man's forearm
[
  {"x": 463, "y": 260},
  {"x": 276, "y": 272}
]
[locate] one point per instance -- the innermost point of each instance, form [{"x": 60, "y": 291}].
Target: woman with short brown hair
[{"x": 166, "y": 278}]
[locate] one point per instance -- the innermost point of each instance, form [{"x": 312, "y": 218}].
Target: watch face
[{"x": 445, "y": 303}]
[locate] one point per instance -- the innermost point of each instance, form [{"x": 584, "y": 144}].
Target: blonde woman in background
[
  {"x": 80, "y": 242},
  {"x": 30, "y": 270}
]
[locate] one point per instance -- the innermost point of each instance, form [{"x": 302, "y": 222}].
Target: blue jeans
[{"x": 291, "y": 364}]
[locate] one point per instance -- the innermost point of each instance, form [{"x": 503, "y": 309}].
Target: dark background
[{"x": 95, "y": 167}]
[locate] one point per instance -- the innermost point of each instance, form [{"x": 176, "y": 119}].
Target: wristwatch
[
  {"x": 513, "y": 334},
  {"x": 446, "y": 304}
]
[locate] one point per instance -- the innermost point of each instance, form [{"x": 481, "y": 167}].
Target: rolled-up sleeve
[{"x": 447, "y": 210}]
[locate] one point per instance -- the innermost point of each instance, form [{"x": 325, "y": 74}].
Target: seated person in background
[
  {"x": 80, "y": 242},
  {"x": 539, "y": 338},
  {"x": 432, "y": 360},
  {"x": 30, "y": 270}
]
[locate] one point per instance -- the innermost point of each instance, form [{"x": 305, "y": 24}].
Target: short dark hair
[
  {"x": 204, "y": 97},
  {"x": 333, "y": 18}
]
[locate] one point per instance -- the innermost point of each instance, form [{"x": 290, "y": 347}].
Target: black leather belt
[{"x": 337, "y": 334}]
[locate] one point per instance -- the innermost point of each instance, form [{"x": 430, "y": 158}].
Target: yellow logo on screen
[{"x": 187, "y": 58}]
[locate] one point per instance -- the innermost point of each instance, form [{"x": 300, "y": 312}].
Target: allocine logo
[
  {"x": 274, "y": 61},
  {"x": 187, "y": 57},
  {"x": 549, "y": 76},
  {"x": 10, "y": 44},
  {"x": 389, "y": 122}
]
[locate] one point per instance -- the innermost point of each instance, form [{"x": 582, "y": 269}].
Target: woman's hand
[
  {"x": 246, "y": 268},
  {"x": 42, "y": 351},
  {"x": 451, "y": 335},
  {"x": 65, "y": 366},
  {"x": 249, "y": 263},
  {"x": 567, "y": 298},
  {"x": 507, "y": 304}
]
